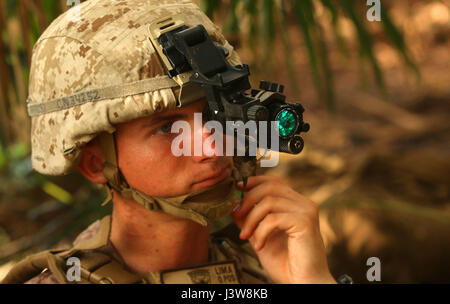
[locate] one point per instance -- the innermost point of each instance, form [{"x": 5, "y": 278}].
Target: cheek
[{"x": 152, "y": 168}]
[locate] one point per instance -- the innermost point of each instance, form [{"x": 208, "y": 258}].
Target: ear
[{"x": 91, "y": 162}]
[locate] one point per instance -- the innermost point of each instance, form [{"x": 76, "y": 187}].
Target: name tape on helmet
[{"x": 98, "y": 94}]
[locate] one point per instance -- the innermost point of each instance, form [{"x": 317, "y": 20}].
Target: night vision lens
[{"x": 287, "y": 122}]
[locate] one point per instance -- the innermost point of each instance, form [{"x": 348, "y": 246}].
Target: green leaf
[
  {"x": 293, "y": 80},
  {"x": 3, "y": 158},
  {"x": 4, "y": 237},
  {"x": 300, "y": 12},
  {"x": 209, "y": 7},
  {"x": 251, "y": 9},
  {"x": 336, "y": 28},
  {"x": 326, "y": 69},
  {"x": 22, "y": 168},
  {"x": 233, "y": 23},
  {"x": 397, "y": 40},
  {"x": 18, "y": 151},
  {"x": 365, "y": 42},
  {"x": 11, "y": 8},
  {"x": 52, "y": 9},
  {"x": 268, "y": 18},
  {"x": 57, "y": 192}
]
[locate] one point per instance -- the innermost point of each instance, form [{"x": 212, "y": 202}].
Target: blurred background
[{"x": 377, "y": 158}]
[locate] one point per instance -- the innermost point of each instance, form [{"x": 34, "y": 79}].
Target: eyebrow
[{"x": 163, "y": 118}]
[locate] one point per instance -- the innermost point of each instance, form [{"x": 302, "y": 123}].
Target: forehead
[
  {"x": 194, "y": 107},
  {"x": 180, "y": 113}
]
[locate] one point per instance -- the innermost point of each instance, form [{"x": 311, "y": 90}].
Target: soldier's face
[{"x": 146, "y": 160}]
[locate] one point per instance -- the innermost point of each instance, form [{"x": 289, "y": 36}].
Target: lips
[{"x": 213, "y": 178}]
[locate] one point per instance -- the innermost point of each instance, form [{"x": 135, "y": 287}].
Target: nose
[{"x": 204, "y": 146}]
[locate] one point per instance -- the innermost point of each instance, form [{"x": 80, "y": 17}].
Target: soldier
[{"x": 100, "y": 102}]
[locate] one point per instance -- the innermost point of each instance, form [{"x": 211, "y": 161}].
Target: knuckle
[
  {"x": 273, "y": 186},
  {"x": 274, "y": 179},
  {"x": 309, "y": 221},
  {"x": 277, "y": 183},
  {"x": 271, "y": 218},
  {"x": 268, "y": 200},
  {"x": 281, "y": 180},
  {"x": 314, "y": 207},
  {"x": 277, "y": 178},
  {"x": 284, "y": 181}
]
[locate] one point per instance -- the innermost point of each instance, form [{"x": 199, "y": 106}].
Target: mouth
[{"x": 213, "y": 178}]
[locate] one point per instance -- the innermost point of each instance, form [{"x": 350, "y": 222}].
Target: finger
[
  {"x": 272, "y": 221},
  {"x": 268, "y": 204},
  {"x": 238, "y": 219},
  {"x": 254, "y": 181},
  {"x": 269, "y": 188}
]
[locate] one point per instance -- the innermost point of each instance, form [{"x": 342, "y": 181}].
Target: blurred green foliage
[
  {"x": 269, "y": 18},
  {"x": 69, "y": 211}
]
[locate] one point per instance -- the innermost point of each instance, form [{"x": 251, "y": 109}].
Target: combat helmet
[{"x": 93, "y": 72}]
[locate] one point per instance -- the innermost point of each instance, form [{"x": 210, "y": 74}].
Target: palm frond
[
  {"x": 301, "y": 11},
  {"x": 332, "y": 9},
  {"x": 313, "y": 36},
  {"x": 397, "y": 39},
  {"x": 283, "y": 25},
  {"x": 365, "y": 41}
]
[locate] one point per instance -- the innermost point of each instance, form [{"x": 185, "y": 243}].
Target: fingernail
[
  {"x": 256, "y": 246},
  {"x": 237, "y": 207},
  {"x": 242, "y": 234}
]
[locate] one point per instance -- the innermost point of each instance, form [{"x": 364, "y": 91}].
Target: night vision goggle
[{"x": 191, "y": 57}]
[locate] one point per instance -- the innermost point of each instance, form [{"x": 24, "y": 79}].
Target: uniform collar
[{"x": 221, "y": 267}]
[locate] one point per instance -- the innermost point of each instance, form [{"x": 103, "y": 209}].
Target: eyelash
[{"x": 160, "y": 131}]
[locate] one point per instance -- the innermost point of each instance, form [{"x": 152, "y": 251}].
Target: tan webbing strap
[
  {"x": 94, "y": 95},
  {"x": 26, "y": 269},
  {"x": 110, "y": 273},
  {"x": 57, "y": 266},
  {"x": 34, "y": 264},
  {"x": 111, "y": 166},
  {"x": 115, "y": 180}
]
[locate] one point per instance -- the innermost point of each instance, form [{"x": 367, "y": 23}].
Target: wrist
[
  {"x": 327, "y": 279},
  {"x": 322, "y": 279}
]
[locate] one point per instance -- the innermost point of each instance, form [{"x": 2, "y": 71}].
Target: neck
[{"x": 154, "y": 240}]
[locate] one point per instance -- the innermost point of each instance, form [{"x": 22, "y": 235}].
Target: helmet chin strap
[{"x": 200, "y": 206}]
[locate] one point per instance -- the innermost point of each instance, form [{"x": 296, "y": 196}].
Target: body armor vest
[{"x": 100, "y": 264}]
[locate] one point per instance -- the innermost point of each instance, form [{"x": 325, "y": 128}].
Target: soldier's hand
[{"x": 283, "y": 228}]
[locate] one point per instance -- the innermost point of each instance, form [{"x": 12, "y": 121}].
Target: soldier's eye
[{"x": 164, "y": 129}]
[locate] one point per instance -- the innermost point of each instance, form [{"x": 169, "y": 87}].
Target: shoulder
[
  {"x": 46, "y": 267},
  {"x": 45, "y": 277}
]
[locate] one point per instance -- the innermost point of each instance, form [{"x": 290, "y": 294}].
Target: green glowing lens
[{"x": 287, "y": 122}]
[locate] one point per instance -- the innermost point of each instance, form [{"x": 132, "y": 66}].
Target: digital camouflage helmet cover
[{"x": 90, "y": 74}]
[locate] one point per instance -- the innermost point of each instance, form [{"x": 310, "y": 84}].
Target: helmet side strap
[
  {"x": 111, "y": 167},
  {"x": 115, "y": 179}
]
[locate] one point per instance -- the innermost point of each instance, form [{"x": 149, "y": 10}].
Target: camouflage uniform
[
  {"x": 229, "y": 262},
  {"x": 86, "y": 76}
]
